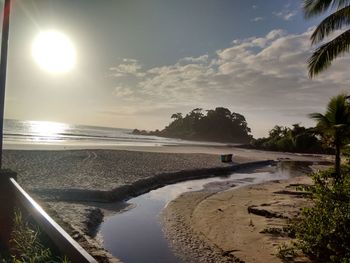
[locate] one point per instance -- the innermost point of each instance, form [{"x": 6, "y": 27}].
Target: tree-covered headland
[
  {"x": 218, "y": 125},
  {"x": 222, "y": 125}
]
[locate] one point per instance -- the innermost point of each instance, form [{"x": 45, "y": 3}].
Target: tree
[
  {"x": 177, "y": 116},
  {"x": 278, "y": 131},
  {"x": 323, "y": 56},
  {"x": 216, "y": 125},
  {"x": 334, "y": 126}
]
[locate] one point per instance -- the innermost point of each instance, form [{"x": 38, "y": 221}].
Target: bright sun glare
[
  {"x": 54, "y": 52},
  {"x": 46, "y": 128}
]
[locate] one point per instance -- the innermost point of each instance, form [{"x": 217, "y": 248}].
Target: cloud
[
  {"x": 128, "y": 67},
  {"x": 254, "y": 6},
  {"x": 121, "y": 91},
  {"x": 257, "y": 19},
  {"x": 286, "y": 14},
  {"x": 265, "y": 78},
  {"x": 203, "y": 58}
]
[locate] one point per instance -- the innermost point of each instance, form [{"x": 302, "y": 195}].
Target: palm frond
[
  {"x": 333, "y": 22},
  {"x": 317, "y": 7},
  {"x": 337, "y": 110},
  {"x": 340, "y": 3},
  {"x": 323, "y": 126},
  {"x": 322, "y": 121},
  {"x": 318, "y": 117},
  {"x": 322, "y": 58},
  {"x": 336, "y": 115}
]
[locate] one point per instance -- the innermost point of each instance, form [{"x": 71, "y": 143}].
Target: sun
[{"x": 54, "y": 52}]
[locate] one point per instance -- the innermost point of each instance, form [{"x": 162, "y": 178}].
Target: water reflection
[
  {"x": 136, "y": 235},
  {"x": 46, "y": 129},
  {"x": 43, "y": 133},
  {"x": 294, "y": 168}
]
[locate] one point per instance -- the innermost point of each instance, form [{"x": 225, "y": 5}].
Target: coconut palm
[
  {"x": 334, "y": 126},
  {"x": 323, "y": 56}
]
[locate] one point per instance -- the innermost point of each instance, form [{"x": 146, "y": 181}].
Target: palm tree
[
  {"x": 334, "y": 126},
  {"x": 323, "y": 56}
]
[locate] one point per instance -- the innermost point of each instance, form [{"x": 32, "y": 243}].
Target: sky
[{"x": 139, "y": 61}]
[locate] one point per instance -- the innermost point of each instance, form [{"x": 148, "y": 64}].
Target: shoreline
[
  {"x": 139, "y": 187},
  {"x": 238, "y": 225},
  {"x": 114, "y": 175}
]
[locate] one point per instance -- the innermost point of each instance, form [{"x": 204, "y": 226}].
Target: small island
[{"x": 218, "y": 125}]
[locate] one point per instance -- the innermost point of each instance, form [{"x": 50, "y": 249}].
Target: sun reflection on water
[{"x": 47, "y": 129}]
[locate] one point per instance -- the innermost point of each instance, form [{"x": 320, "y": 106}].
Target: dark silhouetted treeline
[
  {"x": 222, "y": 125},
  {"x": 295, "y": 139},
  {"x": 219, "y": 125}
]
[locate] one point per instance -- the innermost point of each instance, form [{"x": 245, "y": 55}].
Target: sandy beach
[
  {"x": 69, "y": 183},
  {"x": 76, "y": 185},
  {"x": 240, "y": 225}
]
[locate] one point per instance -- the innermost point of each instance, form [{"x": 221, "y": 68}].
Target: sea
[{"x": 19, "y": 134}]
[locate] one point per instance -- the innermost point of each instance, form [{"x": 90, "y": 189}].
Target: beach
[
  {"x": 80, "y": 187},
  {"x": 175, "y": 131},
  {"x": 241, "y": 225}
]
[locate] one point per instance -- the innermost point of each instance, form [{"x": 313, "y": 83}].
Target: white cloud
[
  {"x": 263, "y": 78},
  {"x": 286, "y": 14},
  {"x": 128, "y": 67},
  {"x": 290, "y": 15},
  {"x": 254, "y": 6},
  {"x": 257, "y": 19},
  {"x": 200, "y": 59},
  {"x": 121, "y": 91}
]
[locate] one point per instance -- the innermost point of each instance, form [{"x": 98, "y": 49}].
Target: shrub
[{"x": 322, "y": 231}]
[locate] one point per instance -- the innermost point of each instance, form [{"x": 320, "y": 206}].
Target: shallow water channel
[{"x": 136, "y": 235}]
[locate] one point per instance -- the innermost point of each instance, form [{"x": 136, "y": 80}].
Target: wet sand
[{"x": 241, "y": 225}]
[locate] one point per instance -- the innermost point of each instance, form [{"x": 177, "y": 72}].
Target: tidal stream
[{"x": 136, "y": 235}]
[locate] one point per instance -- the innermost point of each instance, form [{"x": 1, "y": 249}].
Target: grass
[{"x": 29, "y": 245}]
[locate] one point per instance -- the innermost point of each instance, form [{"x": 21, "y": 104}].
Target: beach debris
[
  {"x": 263, "y": 212},
  {"x": 226, "y": 158}
]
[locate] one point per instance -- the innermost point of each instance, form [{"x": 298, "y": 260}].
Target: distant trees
[
  {"x": 334, "y": 126},
  {"x": 326, "y": 53},
  {"x": 216, "y": 125},
  {"x": 219, "y": 125},
  {"x": 295, "y": 139}
]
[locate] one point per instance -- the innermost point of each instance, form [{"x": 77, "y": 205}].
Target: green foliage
[
  {"x": 296, "y": 139},
  {"x": 324, "y": 55},
  {"x": 322, "y": 231},
  {"x": 334, "y": 126},
  {"x": 220, "y": 125},
  {"x": 27, "y": 245},
  {"x": 286, "y": 252}
]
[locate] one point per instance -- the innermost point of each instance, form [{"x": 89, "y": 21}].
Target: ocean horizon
[{"x": 26, "y": 134}]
